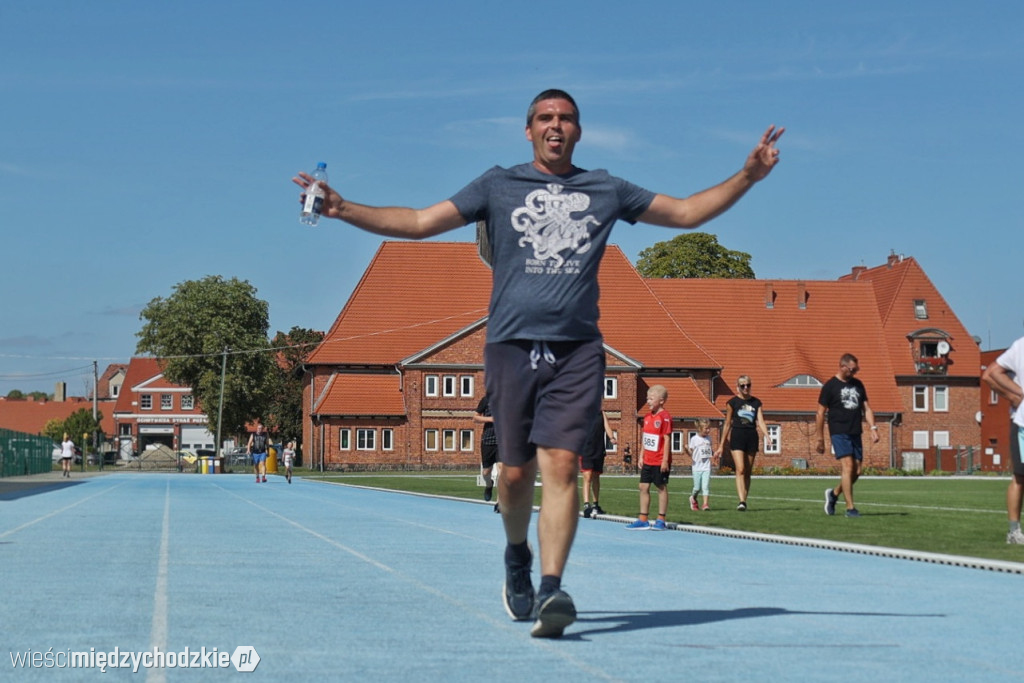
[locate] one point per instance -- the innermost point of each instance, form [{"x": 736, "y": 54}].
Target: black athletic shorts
[
  {"x": 652, "y": 474},
  {"x": 743, "y": 440}
]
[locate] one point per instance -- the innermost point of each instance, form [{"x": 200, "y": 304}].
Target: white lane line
[
  {"x": 158, "y": 630},
  {"x": 59, "y": 511}
]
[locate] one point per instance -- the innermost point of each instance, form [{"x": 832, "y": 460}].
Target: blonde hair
[
  {"x": 702, "y": 424},
  {"x": 659, "y": 391}
]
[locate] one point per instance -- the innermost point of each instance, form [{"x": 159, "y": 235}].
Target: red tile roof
[
  {"x": 362, "y": 395},
  {"x": 145, "y": 375},
  {"x": 732, "y": 319},
  {"x": 685, "y": 399},
  {"x": 900, "y": 282},
  {"x": 30, "y": 417},
  {"x": 411, "y": 295}
]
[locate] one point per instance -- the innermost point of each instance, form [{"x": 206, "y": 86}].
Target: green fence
[{"x": 24, "y": 453}]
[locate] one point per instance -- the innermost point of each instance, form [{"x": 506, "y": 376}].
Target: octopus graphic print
[{"x": 549, "y": 227}]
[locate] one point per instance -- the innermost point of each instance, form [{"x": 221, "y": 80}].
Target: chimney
[
  {"x": 60, "y": 392},
  {"x": 858, "y": 271},
  {"x": 769, "y": 295},
  {"x": 801, "y": 294},
  {"x": 893, "y": 259}
]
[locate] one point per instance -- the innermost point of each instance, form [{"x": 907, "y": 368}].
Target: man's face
[
  {"x": 554, "y": 132},
  {"x": 848, "y": 370}
]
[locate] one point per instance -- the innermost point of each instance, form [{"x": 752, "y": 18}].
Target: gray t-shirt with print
[{"x": 547, "y": 234}]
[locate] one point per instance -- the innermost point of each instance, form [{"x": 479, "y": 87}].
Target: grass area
[{"x": 956, "y": 516}]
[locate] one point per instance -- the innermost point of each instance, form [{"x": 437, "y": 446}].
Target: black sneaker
[
  {"x": 488, "y": 493},
  {"x": 830, "y": 502},
  {"x": 597, "y": 511},
  {"x": 588, "y": 510},
  {"x": 555, "y": 611},
  {"x": 517, "y": 594}
]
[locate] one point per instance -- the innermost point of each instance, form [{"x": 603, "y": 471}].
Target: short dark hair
[
  {"x": 551, "y": 94},
  {"x": 847, "y": 359}
]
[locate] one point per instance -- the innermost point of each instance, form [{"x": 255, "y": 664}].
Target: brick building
[
  {"x": 396, "y": 379},
  {"x": 995, "y": 422}
]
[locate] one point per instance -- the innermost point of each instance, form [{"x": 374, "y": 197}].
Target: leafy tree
[
  {"x": 76, "y": 425},
  {"x": 189, "y": 332},
  {"x": 285, "y": 413},
  {"x": 695, "y": 255},
  {"x": 15, "y": 394}
]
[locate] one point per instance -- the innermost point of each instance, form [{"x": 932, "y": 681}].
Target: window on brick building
[
  {"x": 166, "y": 402},
  {"x": 466, "y": 385},
  {"x": 941, "y": 439},
  {"x": 345, "y": 439},
  {"x": 610, "y": 445},
  {"x": 920, "y": 309},
  {"x": 677, "y": 441},
  {"x": 921, "y": 439},
  {"x": 146, "y": 402},
  {"x": 430, "y": 385},
  {"x": 448, "y": 385},
  {"x": 940, "y": 399},
  {"x": 387, "y": 439},
  {"x": 188, "y": 402},
  {"x": 920, "y": 399},
  {"x": 366, "y": 439},
  {"x": 993, "y": 397},
  {"x": 466, "y": 440},
  {"x": 430, "y": 439},
  {"x": 448, "y": 439},
  {"x": 773, "y": 440},
  {"x": 611, "y": 387}
]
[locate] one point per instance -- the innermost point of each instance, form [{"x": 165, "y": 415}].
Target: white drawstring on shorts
[{"x": 540, "y": 349}]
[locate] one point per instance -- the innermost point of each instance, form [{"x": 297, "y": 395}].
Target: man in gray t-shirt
[{"x": 547, "y": 223}]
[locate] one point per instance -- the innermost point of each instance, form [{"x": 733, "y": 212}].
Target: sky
[{"x": 144, "y": 144}]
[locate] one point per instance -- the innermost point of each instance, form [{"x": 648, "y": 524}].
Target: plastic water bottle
[{"x": 314, "y": 203}]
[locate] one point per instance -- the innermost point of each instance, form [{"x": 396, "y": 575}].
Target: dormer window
[
  {"x": 802, "y": 381},
  {"x": 920, "y": 309}
]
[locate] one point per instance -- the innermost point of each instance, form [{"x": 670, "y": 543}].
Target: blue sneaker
[
  {"x": 517, "y": 594},
  {"x": 852, "y": 512},
  {"x": 659, "y": 525},
  {"x": 638, "y": 525},
  {"x": 554, "y": 612},
  {"x": 830, "y": 502}
]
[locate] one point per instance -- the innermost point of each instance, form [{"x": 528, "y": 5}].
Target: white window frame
[
  {"x": 773, "y": 440},
  {"x": 431, "y": 385},
  {"x": 676, "y": 441},
  {"x": 430, "y": 439},
  {"x": 921, "y": 439},
  {"x": 466, "y": 385},
  {"x": 387, "y": 439},
  {"x": 940, "y": 439},
  {"x": 466, "y": 440},
  {"x": 366, "y": 439},
  {"x": 344, "y": 439},
  {"x": 188, "y": 402},
  {"x": 940, "y": 406},
  {"x": 611, "y": 446},
  {"x": 920, "y": 398},
  {"x": 146, "y": 402},
  {"x": 993, "y": 397},
  {"x": 611, "y": 387},
  {"x": 448, "y": 385},
  {"x": 448, "y": 442},
  {"x": 166, "y": 402}
]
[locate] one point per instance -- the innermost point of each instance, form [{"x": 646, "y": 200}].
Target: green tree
[
  {"x": 285, "y": 413},
  {"x": 190, "y": 331},
  {"x": 76, "y": 426},
  {"x": 695, "y": 255},
  {"x": 15, "y": 394}
]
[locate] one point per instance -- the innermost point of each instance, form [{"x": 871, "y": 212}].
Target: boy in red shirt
[{"x": 657, "y": 459}]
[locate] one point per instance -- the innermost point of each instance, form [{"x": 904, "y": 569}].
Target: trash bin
[
  {"x": 217, "y": 464},
  {"x": 272, "y": 460}
]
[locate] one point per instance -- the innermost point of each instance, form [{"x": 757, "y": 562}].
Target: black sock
[
  {"x": 549, "y": 584},
  {"x": 518, "y": 554}
]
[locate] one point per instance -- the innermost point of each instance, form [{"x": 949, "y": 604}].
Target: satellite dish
[
  {"x": 943, "y": 348},
  {"x": 977, "y": 417}
]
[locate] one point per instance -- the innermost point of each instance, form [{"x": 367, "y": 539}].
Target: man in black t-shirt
[
  {"x": 488, "y": 447},
  {"x": 845, "y": 400}
]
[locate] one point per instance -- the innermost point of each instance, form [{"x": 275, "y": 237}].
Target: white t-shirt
[
  {"x": 700, "y": 449},
  {"x": 1013, "y": 360},
  {"x": 67, "y": 449}
]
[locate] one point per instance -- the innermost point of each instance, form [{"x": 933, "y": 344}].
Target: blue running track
[{"x": 328, "y": 582}]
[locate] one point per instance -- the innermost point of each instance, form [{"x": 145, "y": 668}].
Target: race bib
[{"x": 651, "y": 442}]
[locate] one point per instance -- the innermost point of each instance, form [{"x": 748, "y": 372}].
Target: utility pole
[
  {"x": 220, "y": 409},
  {"x": 95, "y": 417}
]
